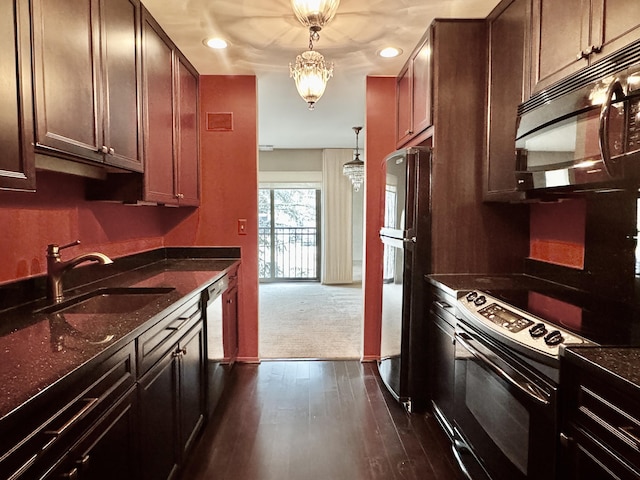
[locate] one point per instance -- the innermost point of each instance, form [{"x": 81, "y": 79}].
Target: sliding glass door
[{"x": 289, "y": 234}]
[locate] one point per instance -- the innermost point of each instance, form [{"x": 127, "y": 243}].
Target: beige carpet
[{"x": 310, "y": 320}]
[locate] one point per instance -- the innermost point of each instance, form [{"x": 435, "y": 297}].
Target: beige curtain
[{"x": 337, "y": 230}]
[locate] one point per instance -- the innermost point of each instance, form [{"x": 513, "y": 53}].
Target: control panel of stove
[{"x": 517, "y": 326}]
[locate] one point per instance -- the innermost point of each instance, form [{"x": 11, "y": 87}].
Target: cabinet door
[
  {"x": 616, "y": 23},
  {"x": 188, "y": 184},
  {"x": 121, "y": 73},
  {"x": 108, "y": 450},
  {"x": 159, "y": 453},
  {"x": 421, "y": 88},
  {"x": 157, "y": 82},
  {"x": 17, "y": 163},
  {"x": 230, "y": 325},
  {"x": 192, "y": 381},
  {"x": 403, "y": 106},
  {"x": 560, "y": 34},
  {"x": 507, "y": 73},
  {"x": 67, "y": 73},
  {"x": 442, "y": 376}
]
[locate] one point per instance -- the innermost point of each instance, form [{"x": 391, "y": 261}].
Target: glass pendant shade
[
  {"x": 311, "y": 74},
  {"x": 355, "y": 168},
  {"x": 315, "y": 14},
  {"x": 355, "y": 171}
]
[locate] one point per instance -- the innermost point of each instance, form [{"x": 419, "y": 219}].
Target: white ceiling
[{"x": 264, "y": 37}]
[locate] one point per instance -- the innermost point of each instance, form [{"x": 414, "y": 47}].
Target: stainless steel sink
[{"x": 109, "y": 300}]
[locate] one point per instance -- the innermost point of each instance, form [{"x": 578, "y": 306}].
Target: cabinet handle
[
  {"x": 179, "y": 353},
  {"x": 408, "y": 132},
  {"x": 112, "y": 151},
  {"x": 588, "y": 51},
  {"x": 565, "y": 440},
  {"x": 70, "y": 475},
  {"x": 442, "y": 304},
  {"x": 104, "y": 149},
  {"x": 83, "y": 463},
  {"x": 90, "y": 403},
  {"x": 179, "y": 195}
]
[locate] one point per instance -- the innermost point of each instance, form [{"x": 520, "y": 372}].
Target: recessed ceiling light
[
  {"x": 217, "y": 43},
  {"x": 390, "y": 52}
]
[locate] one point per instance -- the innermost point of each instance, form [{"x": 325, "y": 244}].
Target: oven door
[{"x": 504, "y": 411}]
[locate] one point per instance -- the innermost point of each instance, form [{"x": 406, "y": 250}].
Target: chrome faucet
[{"x": 56, "y": 268}]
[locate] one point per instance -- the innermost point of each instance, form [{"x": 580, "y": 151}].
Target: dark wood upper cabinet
[
  {"x": 569, "y": 35},
  {"x": 403, "y": 105},
  {"x": 508, "y": 87},
  {"x": 170, "y": 134},
  {"x": 86, "y": 80},
  {"x": 421, "y": 87},
  {"x": 413, "y": 94},
  {"x": 17, "y": 163},
  {"x": 121, "y": 72},
  {"x": 159, "y": 140},
  {"x": 171, "y": 120},
  {"x": 187, "y": 161}
]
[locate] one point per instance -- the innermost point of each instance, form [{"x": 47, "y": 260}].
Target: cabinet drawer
[
  {"x": 443, "y": 305},
  {"x": 79, "y": 406},
  {"x": 607, "y": 414},
  {"x": 156, "y": 341}
]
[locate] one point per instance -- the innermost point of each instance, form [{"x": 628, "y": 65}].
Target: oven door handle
[{"x": 520, "y": 382}]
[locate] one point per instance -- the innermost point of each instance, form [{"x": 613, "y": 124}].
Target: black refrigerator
[{"x": 405, "y": 236}]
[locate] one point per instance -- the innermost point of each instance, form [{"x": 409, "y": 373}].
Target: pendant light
[
  {"x": 355, "y": 168},
  {"x": 311, "y": 74}
]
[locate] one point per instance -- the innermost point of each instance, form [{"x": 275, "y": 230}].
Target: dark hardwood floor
[{"x": 317, "y": 420}]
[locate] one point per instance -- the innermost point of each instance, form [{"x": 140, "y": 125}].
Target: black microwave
[{"x": 587, "y": 139}]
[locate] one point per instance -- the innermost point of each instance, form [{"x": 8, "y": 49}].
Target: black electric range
[{"x": 527, "y": 312}]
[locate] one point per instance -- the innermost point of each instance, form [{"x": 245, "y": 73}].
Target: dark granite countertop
[
  {"x": 621, "y": 364},
  {"x": 39, "y": 349}
]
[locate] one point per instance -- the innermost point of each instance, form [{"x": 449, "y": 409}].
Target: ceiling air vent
[{"x": 220, "y": 122}]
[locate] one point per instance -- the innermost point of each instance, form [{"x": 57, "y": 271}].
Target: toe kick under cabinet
[{"x": 132, "y": 412}]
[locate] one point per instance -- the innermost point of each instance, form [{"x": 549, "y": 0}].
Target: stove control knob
[
  {"x": 553, "y": 338},
  {"x": 481, "y": 300},
  {"x": 538, "y": 330},
  {"x": 471, "y": 296}
]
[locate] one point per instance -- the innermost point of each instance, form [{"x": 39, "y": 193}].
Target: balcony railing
[{"x": 288, "y": 253}]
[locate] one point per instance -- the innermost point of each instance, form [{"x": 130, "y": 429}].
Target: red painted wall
[
  {"x": 58, "y": 213},
  {"x": 229, "y": 191},
  {"x": 557, "y": 232},
  {"x": 380, "y": 135}
]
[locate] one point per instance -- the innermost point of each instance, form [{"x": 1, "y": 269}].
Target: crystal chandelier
[
  {"x": 311, "y": 74},
  {"x": 315, "y": 14},
  {"x": 355, "y": 168}
]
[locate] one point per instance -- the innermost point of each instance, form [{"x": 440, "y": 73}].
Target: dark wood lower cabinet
[
  {"x": 172, "y": 407},
  {"x": 158, "y": 420},
  {"x": 600, "y": 437},
  {"x": 442, "y": 348},
  {"x": 108, "y": 450},
  {"x": 191, "y": 388}
]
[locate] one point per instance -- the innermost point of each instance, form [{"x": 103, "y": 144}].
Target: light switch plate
[{"x": 242, "y": 226}]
